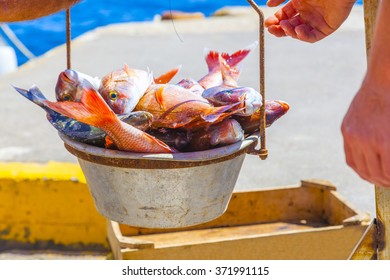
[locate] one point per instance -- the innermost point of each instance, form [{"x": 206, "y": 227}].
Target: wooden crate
[{"x": 308, "y": 221}]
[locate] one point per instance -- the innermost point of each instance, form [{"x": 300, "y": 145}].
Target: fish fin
[
  {"x": 235, "y": 58},
  {"x": 230, "y": 74},
  {"x": 168, "y": 76},
  {"x": 109, "y": 143},
  {"x": 219, "y": 113},
  {"x": 159, "y": 97},
  {"x": 159, "y": 142},
  {"x": 128, "y": 70},
  {"x": 33, "y": 94},
  {"x": 212, "y": 59},
  {"x": 91, "y": 109}
]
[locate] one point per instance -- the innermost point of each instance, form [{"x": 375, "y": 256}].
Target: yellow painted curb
[
  {"x": 48, "y": 206},
  {"x": 32, "y": 171}
]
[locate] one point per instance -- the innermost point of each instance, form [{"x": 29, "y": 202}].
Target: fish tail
[
  {"x": 168, "y": 76},
  {"x": 230, "y": 74},
  {"x": 163, "y": 147},
  {"x": 235, "y": 58},
  {"x": 212, "y": 59},
  {"x": 34, "y": 94},
  {"x": 214, "y": 114},
  {"x": 91, "y": 109}
]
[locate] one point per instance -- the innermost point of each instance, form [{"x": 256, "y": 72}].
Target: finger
[
  {"x": 374, "y": 166},
  {"x": 385, "y": 162},
  {"x": 271, "y": 20},
  {"x": 276, "y": 30},
  {"x": 373, "y": 162},
  {"x": 384, "y": 167},
  {"x": 349, "y": 156},
  {"x": 360, "y": 164},
  {"x": 308, "y": 34},
  {"x": 288, "y": 28},
  {"x": 274, "y": 3},
  {"x": 296, "y": 21},
  {"x": 286, "y": 12}
]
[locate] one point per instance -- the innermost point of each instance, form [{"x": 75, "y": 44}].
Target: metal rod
[
  {"x": 263, "y": 152},
  {"x": 68, "y": 40},
  {"x": 382, "y": 194},
  {"x": 370, "y": 9}
]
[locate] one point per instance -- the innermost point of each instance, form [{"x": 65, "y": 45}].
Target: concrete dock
[{"x": 317, "y": 80}]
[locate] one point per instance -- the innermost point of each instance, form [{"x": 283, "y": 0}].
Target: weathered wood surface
[
  {"x": 310, "y": 221},
  {"x": 366, "y": 247},
  {"x": 382, "y": 198}
]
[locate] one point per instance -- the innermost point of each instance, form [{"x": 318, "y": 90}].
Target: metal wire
[
  {"x": 68, "y": 40},
  {"x": 263, "y": 152}
]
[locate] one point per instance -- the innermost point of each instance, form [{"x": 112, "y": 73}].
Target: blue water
[{"x": 43, "y": 34}]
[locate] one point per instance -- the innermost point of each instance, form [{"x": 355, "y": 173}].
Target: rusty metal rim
[{"x": 157, "y": 161}]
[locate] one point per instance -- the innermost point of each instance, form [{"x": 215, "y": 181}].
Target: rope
[{"x": 15, "y": 41}]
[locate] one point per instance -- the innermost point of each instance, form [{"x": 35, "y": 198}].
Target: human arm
[
  {"x": 308, "y": 20},
  {"x": 19, "y": 10},
  {"x": 366, "y": 126}
]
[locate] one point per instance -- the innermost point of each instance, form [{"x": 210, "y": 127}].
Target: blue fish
[
  {"x": 74, "y": 129},
  {"x": 79, "y": 131}
]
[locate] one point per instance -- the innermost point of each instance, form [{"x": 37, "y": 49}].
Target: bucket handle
[{"x": 262, "y": 152}]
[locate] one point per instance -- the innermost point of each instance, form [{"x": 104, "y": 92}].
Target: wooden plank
[
  {"x": 337, "y": 209},
  {"x": 121, "y": 241},
  {"x": 333, "y": 243},
  {"x": 113, "y": 239},
  {"x": 382, "y": 198},
  {"x": 366, "y": 247},
  {"x": 318, "y": 183},
  {"x": 227, "y": 233},
  {"x": 247, "y": 231}
]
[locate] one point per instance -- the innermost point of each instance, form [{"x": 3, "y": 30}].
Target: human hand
[
  {"x": 308, "y": 20},
  {"x": 19, "y": 10},
  {"x": 366, "y": 132}
]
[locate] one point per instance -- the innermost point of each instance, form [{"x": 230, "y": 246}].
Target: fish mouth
[
  {"x": 121, "y": 107},
  {"x": 285, "y": 105},
  {"x": 69, "y": 76}
]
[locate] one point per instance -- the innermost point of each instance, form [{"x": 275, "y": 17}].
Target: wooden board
[{"x": 310, "y": 221}]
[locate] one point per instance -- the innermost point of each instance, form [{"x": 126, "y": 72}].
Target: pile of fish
[{"x": 131, "y": 110}]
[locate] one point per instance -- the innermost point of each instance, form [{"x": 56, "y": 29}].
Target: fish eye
[
  {"x": 66, "y": 97},
  {"x": 113, "y": 95}
]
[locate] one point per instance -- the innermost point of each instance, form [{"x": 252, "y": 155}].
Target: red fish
[
  {"x": 224, "y": 133},
  {"x": 191, "y": 85},
  {"x": 229, "y": 92},
  {"x": 214, "y": 76},
  {"x": 70, "y": 84},
  {"x": 175, "y": 107},
  {"x": 92, "y": 110},
  {"x": 274, "y": 109},
  {"x": 123, "y": 88}
]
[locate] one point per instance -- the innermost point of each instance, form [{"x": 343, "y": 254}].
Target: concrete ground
[{"x": 317, "y": 80}]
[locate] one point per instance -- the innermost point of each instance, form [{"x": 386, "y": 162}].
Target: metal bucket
[{"x": 161, "y": 190}]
